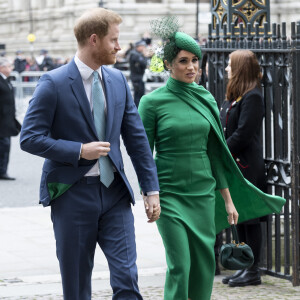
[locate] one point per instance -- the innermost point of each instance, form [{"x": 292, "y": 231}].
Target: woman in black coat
[{"x": 241, "y": 116}]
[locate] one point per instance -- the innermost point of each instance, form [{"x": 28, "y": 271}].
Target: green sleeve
[
  {"x": 147, "y": 113},
  {"x": 217, "y": 158}
]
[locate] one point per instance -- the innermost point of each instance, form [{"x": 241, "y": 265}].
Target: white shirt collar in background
[{"x": 4, "y": 77}]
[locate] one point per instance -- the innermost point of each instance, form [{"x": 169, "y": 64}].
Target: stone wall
[{"x": 52, "y": 21}]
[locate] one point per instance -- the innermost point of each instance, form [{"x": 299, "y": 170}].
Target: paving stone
[
  {"x": 270, "y": 289},
  {"x": 32, "y": 226}
]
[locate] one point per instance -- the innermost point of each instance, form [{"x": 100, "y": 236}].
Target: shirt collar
[
  {"x": 84, "y": 70},
  {"x": 5, "y": 77}
]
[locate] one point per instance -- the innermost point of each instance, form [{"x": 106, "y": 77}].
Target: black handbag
[{"x": 236, "y": 255}]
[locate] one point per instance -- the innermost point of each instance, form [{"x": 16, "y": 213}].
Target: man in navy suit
[{"x": 60, "y": 125}]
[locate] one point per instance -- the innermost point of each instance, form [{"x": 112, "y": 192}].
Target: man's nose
[{"x": 117, "y": 47}]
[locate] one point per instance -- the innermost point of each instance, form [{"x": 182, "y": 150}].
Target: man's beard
[{"x": 104, "y": 58}]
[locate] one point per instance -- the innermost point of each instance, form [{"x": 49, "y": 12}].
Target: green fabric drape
[{"x": 250, "y": 202}]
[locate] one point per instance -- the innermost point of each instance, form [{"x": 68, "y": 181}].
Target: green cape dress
[{"x": 193, "y": 163}]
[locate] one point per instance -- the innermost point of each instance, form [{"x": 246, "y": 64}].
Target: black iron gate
[{"x": 279, "y": 57}]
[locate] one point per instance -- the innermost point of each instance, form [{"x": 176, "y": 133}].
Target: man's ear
[{"x": 93, "y": 39}]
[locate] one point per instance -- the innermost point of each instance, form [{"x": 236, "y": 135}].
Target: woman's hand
[
  {"x": 152, "y": 207},
  {"x": 233, "y": 215}
]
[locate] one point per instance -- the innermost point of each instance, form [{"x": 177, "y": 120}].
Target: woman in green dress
[{"x": 194, "y": 167}]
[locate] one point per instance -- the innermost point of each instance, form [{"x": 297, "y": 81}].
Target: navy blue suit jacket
[{"x": 59, "y": 120}]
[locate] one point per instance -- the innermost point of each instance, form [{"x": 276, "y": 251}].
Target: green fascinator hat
[
  {"x": 186, "y": 42},
  {"x": 167, "y": 28}
]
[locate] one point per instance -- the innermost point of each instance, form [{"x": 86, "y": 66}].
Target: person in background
[
  {"x": 45, "y": 62},
  {"x": 58, "y": 62},
  {"x": 121, "y": 62},
  {"x": 241, "y": 116},
  {"x": 74, "y": 121},
  {"x": 67, "y": 60},
  {"x": 147, "y": 38},
  {"x": 137, "y": 65},
  {"x": 128, "y": 51},
  {"x": 19, "y": 62},
  {"x": 201, "y": 189},
  {"x": 31, "y": 65},
  {"x": 9, "y": 126}
]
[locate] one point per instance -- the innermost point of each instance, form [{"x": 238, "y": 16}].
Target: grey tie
[{"x": 105, "y": 165}]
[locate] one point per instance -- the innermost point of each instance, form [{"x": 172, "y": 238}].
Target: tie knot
[{"x": 96, "y": 76}]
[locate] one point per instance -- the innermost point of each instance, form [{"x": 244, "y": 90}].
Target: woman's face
[
  {"x": 228, "y": 69},
  {"x": 184, "y": 67}
]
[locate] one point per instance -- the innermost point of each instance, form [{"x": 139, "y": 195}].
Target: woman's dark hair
[
  {"x": 245, "y": 74},
  {"x": 204, "y": 75},
  {"x": 170, "y": 52}
]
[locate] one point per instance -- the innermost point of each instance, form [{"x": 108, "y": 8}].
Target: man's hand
[
  {"x": 152, "y": 207},
  {"x": 94, "y": 150}
]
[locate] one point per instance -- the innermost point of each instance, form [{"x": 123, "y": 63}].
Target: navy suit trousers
[{"x": 87, "y": 214}]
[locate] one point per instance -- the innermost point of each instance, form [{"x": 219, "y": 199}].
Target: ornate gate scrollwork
[
  {"x": 240, "y": 12},
  {"x": 279, "y": 58}
]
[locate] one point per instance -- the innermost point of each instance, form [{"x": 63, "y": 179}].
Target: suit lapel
[
  {"x": 9, "y": 85},
  {"x": 79, "y": 92},
  {"x": 110, "y": 101},
  {"x": 6, "y": 83}
]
